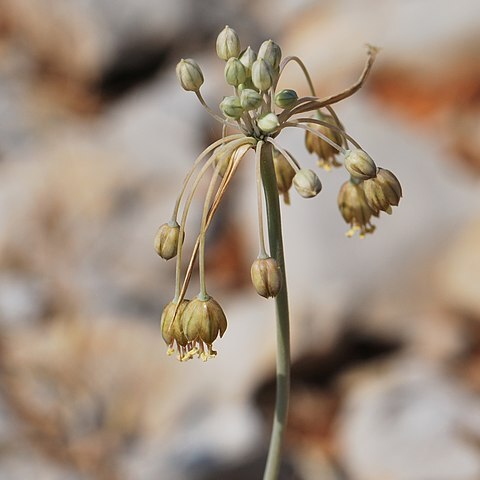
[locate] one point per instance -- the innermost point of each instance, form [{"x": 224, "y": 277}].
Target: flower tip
[{"x": 373, "y": 50}]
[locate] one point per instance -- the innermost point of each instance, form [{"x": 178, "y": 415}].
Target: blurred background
[{"x": 95, "y": 138}]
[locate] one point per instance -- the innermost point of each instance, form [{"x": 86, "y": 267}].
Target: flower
[
  {"x": 355, "y": 209},
  {"x": 262, "y": 74},
  {"x": 325, "y": 152},
  {"x": 271, "y": 53},
  {"x": 286, "y": 98},
  {"x": 189, "y": 75},
  {"x": 383, "y": 191},
  {"x": 228, "y": 44},
  {"x": 166, "y": 240},
  {"x": 360, "y": 165},
  {"x": 203, "y": 320},
  {"x": 266, "y": 277},
  {"x": 170, "y": 325},
  {"x": 284, "y": 174},
  {"x": 307, "y": 183}
]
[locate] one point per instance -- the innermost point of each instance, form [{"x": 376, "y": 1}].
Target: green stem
[{"x": 272, "y": 467}]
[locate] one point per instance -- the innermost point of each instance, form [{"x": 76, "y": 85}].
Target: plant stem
[{"x": 272, "y": 467}]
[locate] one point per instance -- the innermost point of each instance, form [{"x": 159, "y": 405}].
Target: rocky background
[{"x": 95, "y": 138}]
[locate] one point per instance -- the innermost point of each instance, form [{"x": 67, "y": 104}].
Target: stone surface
[
  {"x": 457, "y": 272},
  {"x": 410, "y": 421},
  {"x": 96, "y": 31}
]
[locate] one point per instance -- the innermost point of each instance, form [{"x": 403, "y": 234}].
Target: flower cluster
[{"x": 252, "y": 118}]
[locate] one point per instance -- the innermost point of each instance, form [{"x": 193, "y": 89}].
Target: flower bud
[
  {"x": 307, "y": 183},
  {"x": 231, "y": 107},
  {"x": 171, "y": 325},
  {"x": 360, "y": 165},
  {"x": 286, "y": 98},
  {"x": 355, "y": 209},
  {"x": 325, "y": 152},
  {"x": 268, "y": 123},
  {"x": 266, "y": 277},
  {"x": 250, "y": 99},
  {"x": 248, "y": 84},
  {"x": 235, "y": 73},
  {"x": 247, "y": 58},
  {"x": 203, "y": 320},
  {"x": 271, "y": 53},
  {"x": 189, "y": 75},
  {"x": 228, "y": 44},
  {"x": 284, "y": 174},
  {"x": 383, "y": 191},
  {"x": 262, "y": 75},
  {"x": 166, "y": 240}
]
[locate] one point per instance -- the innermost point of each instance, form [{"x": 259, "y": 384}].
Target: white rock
[{"x": 410, "y": 422}]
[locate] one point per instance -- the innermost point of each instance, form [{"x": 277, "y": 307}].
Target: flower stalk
[
  {"x": 274, "y": 223},
  {"x": 259, "y": 114}
]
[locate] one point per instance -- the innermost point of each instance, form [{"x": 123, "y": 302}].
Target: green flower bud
[
  {"x": 202, "y": 322},
  {"x": 247, "y": 58},
  {"x": 228, "y": 44},
  {"x": 271, "y": 53},
  {"x": 166, "y": 240},
  {"x": 232, "y": 107},
  {"x": 383, "y": 191},
  {"x": 284, "y": 174},
  {"x": 286, "y": 98},
  {"x": 268, "y": 123},
  {"x": 266, "y": 277},
  {"x": 325, "y": 152},
  {"x": 262, "y": 75},
  {"x": 307, "y": 183},
  {"x": 360, "y": 165},
  {"x": 189, "y": 75},
  {"x": 235, "y": 73},
  {"x": 248, "y": 84},
  {"x": 355, "y": 209},
  {"x": 171, "y": 326},
  {"x": 250, "y": 99}
]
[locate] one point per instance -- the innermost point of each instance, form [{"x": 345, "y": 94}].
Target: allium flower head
[{"x": 253, "y": 116}]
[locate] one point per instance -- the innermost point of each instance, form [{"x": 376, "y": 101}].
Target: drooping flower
[
  {"x": 325, "y": 152},
  {"x": 203, "y": 320},
  {"x": 355, "y": 209},
  {"x": 383, "y": 191}
]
